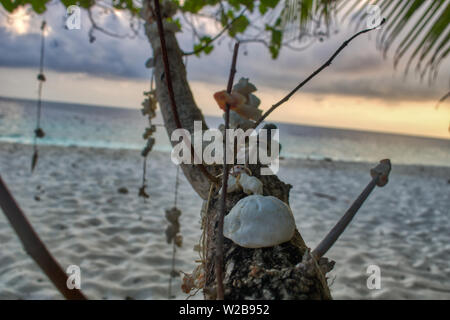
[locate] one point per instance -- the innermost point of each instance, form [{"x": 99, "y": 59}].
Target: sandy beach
[{"x": 118, "y": 239}]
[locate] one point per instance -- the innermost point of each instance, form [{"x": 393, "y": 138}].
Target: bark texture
[
  {"x": 188, "y": 111},
  {"x": 286, "y": 271}
]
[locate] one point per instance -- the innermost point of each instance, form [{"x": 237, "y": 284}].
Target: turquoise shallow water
[{"x": 93, "y": 126}]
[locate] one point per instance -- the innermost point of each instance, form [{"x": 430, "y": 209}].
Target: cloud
[
  {"x": 359, "y": 70},
  {"x": 70, "y": 50}
]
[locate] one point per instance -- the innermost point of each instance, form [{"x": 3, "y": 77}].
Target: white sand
[{"x": 118, "y": 239}]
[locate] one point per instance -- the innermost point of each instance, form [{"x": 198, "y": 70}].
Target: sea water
[{"x": 68, "y": 124}]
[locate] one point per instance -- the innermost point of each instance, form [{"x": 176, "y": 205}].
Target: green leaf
[
  {"x": 193, "y": 6},
  {"x": 176, "y": 21},
  {"x": 249, "y": 4},
  {"x": 239, "y": 25},
  {"x": 236, "y": 4},
  {"x": 208, "y": 49},
  {"x": 265, "y": 5}
]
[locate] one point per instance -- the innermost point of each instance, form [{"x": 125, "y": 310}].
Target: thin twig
[
  {"x": 219, "y": 245},
  {"x": 95, "y": 26},
  {"x": 168, "y": 78},
  {"x": 34, "y": 246},
  {"x": 216, "y": 36},
  {"x": 379, "y": 177},
  {"x": 326, "y": 64}
]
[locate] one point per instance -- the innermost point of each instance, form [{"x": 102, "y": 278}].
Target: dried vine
[
  {"x": 149, "y": 106},
  {"x": 219, "y": 245},
  {"x": 173, "y": 234}
]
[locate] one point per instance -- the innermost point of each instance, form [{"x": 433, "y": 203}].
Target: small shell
[
  {"x": 257, "y": 221},
  {"x": 178, "y": 240},
  {"x": 253, "y": 100},
  {"x": 238, "y": 169},
  {"x": 250, "y": 184},
  {"x": 239, "y": 179},
  {"x": 236, "y": 121},
  {"x": 244, "y": 87}
]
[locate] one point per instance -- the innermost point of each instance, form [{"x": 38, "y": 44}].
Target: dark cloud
[
  {"x": 359, "y": 70},
  {"x": 70, "y": 50}
]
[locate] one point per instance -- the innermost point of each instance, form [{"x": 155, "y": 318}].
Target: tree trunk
[
  {"x": 188, "y": 111},
  {"x": 286, "y": 271}
]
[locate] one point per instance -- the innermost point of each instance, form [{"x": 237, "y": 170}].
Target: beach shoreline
[{"x": 118, "y": 239}]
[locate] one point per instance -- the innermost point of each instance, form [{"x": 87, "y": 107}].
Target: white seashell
[
  {"x": 257, "y": 221},
  {"x": 236, "y": 121},
  {"x": 250, "y": 184},
  {"x": 244, "y": 86},
  {"x": 253, "y": 101},
  {"x": 238, "y": 169}
]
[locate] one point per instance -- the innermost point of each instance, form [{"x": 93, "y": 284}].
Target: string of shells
[{"x": 149, "y": 106}]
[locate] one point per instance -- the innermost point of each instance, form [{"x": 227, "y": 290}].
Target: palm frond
[{"x": 418, "y": 28}]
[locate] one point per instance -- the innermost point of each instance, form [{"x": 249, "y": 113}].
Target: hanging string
[
  {"x": 172, "y": 231},
  {"x": 142, "y": 192},
  {"x": 38, "y": 132},
  {"x": 177, "y": 183},
  {"x": 173, "y": 272}
]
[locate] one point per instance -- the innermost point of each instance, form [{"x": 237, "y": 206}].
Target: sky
[{"x": 360, "y": 90}]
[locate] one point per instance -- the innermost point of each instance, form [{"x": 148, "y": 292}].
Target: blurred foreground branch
[{"x": 34, "y": 246}]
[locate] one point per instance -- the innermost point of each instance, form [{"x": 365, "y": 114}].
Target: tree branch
[
  {"x": 379, "y": 178},
  {"x": 223, "y": 198},
  {"x": 326, "y": 64},
  {"x": 215, "y": 37},
  {"x": 168, "y": 78},
  {"x": 95, "y": 26},
  {"x": 34, "y": 246}
]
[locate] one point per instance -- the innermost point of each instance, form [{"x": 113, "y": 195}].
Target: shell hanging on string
[
  {"x": 173, "y": 229},
  {"x": 194, "y": 280},
  {"x": 41, "y": 77},
  {"x": 143, "y": 193},
  {"x": 243, "y": 104},
  {"x": 148, "y": 147},
  {"x": 39, "y": 132}
]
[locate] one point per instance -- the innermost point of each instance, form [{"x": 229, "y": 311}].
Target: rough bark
[
  {"x": 187, "y": 109},
  {"x": 286, "y": 271}
]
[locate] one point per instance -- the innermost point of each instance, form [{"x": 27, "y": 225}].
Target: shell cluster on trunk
[{"x": 259, "y": 221}]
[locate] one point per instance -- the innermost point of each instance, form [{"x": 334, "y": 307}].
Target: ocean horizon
[{"x": 72, "y": 124}]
